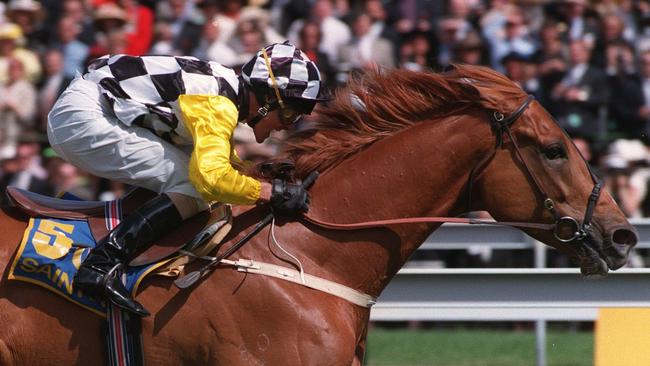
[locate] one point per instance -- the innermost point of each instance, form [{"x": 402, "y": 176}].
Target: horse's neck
[{"x": 421, "y": 171}]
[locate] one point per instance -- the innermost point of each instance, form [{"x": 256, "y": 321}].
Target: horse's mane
[{"x": 379, "y": 104}]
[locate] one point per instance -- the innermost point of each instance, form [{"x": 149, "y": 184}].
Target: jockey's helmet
[{"x": 284, "y": 74}]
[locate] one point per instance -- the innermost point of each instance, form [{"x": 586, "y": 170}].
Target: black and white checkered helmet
[{"x": 296, "y": 75}]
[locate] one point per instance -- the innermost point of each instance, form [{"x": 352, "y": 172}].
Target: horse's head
[
  {"x": 538, "y": 175},
  {"x": 533, "y": 173}
]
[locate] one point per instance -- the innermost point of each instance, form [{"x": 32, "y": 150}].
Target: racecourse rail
[
  {"x": 503, "y": 293},
  {"x": 508, "y": 294}
]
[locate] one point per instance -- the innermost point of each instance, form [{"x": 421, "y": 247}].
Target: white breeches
[{"x": 83, "y": 130}]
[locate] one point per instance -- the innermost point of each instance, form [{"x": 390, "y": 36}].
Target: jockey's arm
[{"x": 212, "y": 120}]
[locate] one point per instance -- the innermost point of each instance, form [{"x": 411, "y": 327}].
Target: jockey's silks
[{"x": 212, "y": 120}]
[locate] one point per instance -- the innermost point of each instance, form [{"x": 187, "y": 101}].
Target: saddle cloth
[{"x": 53, "y": 248}]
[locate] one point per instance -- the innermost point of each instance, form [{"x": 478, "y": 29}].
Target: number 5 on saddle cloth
[{"x": 61, "y": 233}]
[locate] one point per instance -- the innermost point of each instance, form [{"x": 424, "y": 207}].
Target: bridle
[
  {"x": 566, "y": 229},
  {"x": 563, "y": 224}
]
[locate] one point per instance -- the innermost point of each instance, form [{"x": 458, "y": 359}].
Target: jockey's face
[{"x": 273, "y": 121}]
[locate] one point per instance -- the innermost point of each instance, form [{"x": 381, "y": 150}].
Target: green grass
[{"x": 462, "y": 347}]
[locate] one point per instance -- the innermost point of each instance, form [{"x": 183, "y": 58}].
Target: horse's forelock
[{"x": 378, "y": 104}]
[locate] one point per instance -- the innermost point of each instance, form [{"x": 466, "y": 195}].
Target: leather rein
[{"x": 561, "y": 226}]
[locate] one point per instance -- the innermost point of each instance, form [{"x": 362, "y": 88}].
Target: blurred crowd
[{"x": 587, "y": 62}]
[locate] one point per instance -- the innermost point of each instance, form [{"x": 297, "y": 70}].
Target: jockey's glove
[{"x": 288, "y": 199}]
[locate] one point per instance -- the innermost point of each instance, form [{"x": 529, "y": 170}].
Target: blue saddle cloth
[{"x": 50, "y": 254}]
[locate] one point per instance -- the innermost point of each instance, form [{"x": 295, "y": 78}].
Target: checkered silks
[{"x": 144, "y": 90}]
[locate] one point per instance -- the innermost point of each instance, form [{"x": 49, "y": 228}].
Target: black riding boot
[{"x": 98, "y": 275}]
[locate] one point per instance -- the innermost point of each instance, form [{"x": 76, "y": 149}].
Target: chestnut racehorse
[{"x": 396, "y": 144}]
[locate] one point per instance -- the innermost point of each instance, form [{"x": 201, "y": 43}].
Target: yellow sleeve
[{"x": 211, "y": 120}]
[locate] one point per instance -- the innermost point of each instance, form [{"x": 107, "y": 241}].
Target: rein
[{"x": 561, "y": 225}]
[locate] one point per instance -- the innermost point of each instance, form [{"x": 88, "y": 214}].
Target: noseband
[{"x": 566, "y": 228}]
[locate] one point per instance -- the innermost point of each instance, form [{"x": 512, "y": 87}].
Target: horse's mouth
[
  {"x": 593, "y": 262},
  {"x": 598, "y": 256}
]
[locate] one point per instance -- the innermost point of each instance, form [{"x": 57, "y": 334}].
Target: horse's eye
[{"x": 553, "y": 152}]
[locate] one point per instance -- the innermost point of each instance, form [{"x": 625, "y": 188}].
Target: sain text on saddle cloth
[
  {"x": 52, "y": 250},
  {"x": 166, "y": 124}
]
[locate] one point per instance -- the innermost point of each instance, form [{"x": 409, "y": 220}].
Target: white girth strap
[{"x": 291, "y": 275}]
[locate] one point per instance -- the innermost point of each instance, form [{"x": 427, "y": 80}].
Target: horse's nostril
[{"x": 624, "y": 237}]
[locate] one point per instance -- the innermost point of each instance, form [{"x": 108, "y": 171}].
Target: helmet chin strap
[{"x": 264, "y": 110}]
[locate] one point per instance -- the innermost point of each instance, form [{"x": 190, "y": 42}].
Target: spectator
[
  {"x": 621, "y": 162},
  {"x": 584, "y": 148},
  {"x": 508, "y": 34},
  {"x": 63, "y": 177},
  {"x": 415, "y": 53},
  {"x": 139, "y": 27},
  {"x": 262, "y": 18},
  {"x": 626, "y": 94},
  {"x": 335, "y": 32},
  {"x": 213, "y": 48},
  {"x": 470, "y": 50},
  {"x": 463, "y": 10},
  {"x": 74, "y": 51},
  {"x": 248, "y": 39},
  {"x": 552, "y": 57},
  {"x": 285, "y": 12},
  {"x": 448, "y": 35},
  {"x": 577, "y": 22},
  {"x": 377, "y": 11},
  {"x": 416, "y": 16},
  {"x": 611, "y": 35},
  {"x": 110, "y": 190},
  {"x": 310, "y": 38},
  {"x": 17, "y": 108},
  {"x": 185, "y": 24},
  {"x": 523, "y": 70},
  {"x": 163, "y": 40},
  {"x": 580, "y": 97},
  {"x": 24, "y": 170},
  {"x": 211, "y": 11},
  {"x": 77, "y": 12},
  {"x": 10, "y": 39},
  {"x": 631, "y": 101},
  {"x": 28, "y": 15},
  {"x": 52, "y": 85},
  {"x": 365, "y": 50},
  {"x": 642, "y": 17},
  {"x": 108, "y": 18}
]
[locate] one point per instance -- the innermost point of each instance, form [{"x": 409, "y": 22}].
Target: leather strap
[
  {"x": 419, "y": 220},
  {"x": 291, "y": 275}
]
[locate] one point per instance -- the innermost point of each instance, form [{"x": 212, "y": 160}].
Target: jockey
[{"x": 166, "y": 123}]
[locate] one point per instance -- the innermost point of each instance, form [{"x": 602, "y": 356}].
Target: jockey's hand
[{"x": 288, "y": 199}]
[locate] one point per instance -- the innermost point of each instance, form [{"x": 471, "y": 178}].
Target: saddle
[{"x": 96, "y": 213}]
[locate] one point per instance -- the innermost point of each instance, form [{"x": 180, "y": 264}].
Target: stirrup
[{"x": 109, "y": 276}]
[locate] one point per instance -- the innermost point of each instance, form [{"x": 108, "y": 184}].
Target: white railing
[
  {"x": 503, "y": 294},
  {"x": 557, "y": 294}
]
